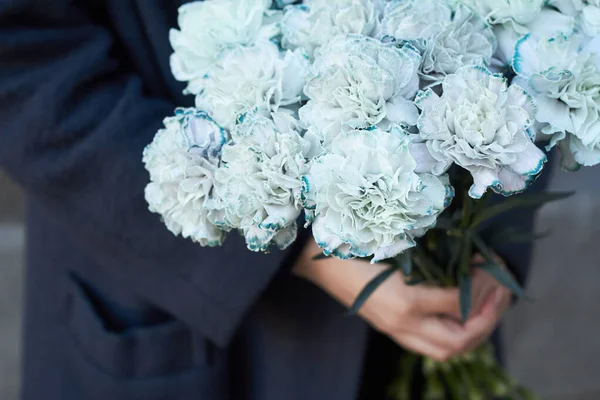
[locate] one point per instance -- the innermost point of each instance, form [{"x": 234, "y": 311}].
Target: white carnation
[
  {"x": 182, "y": 160},
  {"x": 587, "y": 13},
  {"x": 517, "y": 13},
  {"x": 314, "y": 23},
  {"x": 370, "y": 196},
  {"x": 258, "y": 185},
  {"x": 481, "y": 124},
  {"x": 257, "y": 77},
  {"x": 357, "y": 83},
  {"x": 566, "y": 84},
  {"x": 589, "y": 18},
  {"x": 208, "y": 27},
  {"x": 447, "y": 36}
]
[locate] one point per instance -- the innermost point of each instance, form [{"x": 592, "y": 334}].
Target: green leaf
[
  {"x": 405, "y": 261},
  {"x": 321, "y": 256},
  {"x": 369, "y": 289},
  {"x": 526, "y": 200},
  {"x": 483, "y": 248},
  {"x": 445, "y": 223},
  {"x": 513, "y": 235},
  {"x": 505, "y": 278},
  {"x": 455, "y": 252},
  {"x": 427, "y": 267},
  {"x": 464, "y": 285},
  {"x": 414, "y": 281},
  {"x": 499, "y": 272}
]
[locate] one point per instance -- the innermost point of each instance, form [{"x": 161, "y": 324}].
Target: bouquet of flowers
[{"x": 384, "y": 123}]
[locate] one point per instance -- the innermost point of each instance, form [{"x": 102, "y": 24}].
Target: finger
[
  {"x": 457, "y": 339},
  {"x": 444, "y": 332},
  {"x": 483, "y": 282},
  {"x": 422, "y": 346},
  {"x": 483, "y": 285},
  {"x": 480, "y": 327},
  {"x": 436, "y": 301}
]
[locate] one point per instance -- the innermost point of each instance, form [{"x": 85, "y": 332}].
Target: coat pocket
[{"x": 162, "y": 361}]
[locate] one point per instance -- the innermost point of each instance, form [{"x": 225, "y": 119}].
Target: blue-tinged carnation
[
  {"x": 564, "y": 78},
  {"x": 315, "y": 22},
  {"x": 259, "y": 77},
  {"x": 206, "y": 28},
  {"x": 258, "y": 185},
  {"x": 181, "y": 161},
  {"x": 369, "y": 196},
  {"x": 448, "y": 35},
  {"x": 357, "y": 83},
  {"x": 481, "y": 124}
]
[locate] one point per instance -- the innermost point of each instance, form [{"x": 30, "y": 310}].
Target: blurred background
[{"x": 553, "y": 343}]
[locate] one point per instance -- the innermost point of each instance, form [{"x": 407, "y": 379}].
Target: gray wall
[
  {"x": 553, "y": 343},
  {"x": 11, "y": 261}
]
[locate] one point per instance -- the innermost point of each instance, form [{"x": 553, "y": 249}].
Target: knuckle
[
  {"x": 444, "y": 356},
  {"x": 461, "y": 345}
]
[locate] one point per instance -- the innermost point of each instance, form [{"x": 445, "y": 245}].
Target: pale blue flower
[
  {"x": 258, "y": 77},
  {"x": 181, "y": 161},
  {"x": 517, "y": 13},
  {"x": 357, "y": 83},
  {"x": 315, "y": 22},
  {"x": 258, "y": 185},
  {"x": 369, "y": 197},
  {"x": 511, "y": 19},
  {"x": 448, "y": 36},
  {"x": 481, "y": 124},
  {"x": 586, "y": 12},
  {"x": 566, "y": 84},
  {"x": 206, "y": 28}
]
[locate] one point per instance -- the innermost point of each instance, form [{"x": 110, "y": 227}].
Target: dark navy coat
[{"x": 117, "y": 308}]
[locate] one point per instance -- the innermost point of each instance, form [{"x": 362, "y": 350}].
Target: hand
[{"x": 423, "y": 319}]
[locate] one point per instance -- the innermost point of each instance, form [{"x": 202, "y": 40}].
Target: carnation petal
[
  {"x": 285, "y": 237},
  {"x": 402, "y": 110},
  {"x": 512, "y": 182},
  {"x": 530, "y": 161},
  {"x": 483, "y": 178},
  {"x": 525, "y": 60},
  {"x": 401, "y": 244},
  {"x": 585, "y": 155},
  {"x": 425, "y": 161},
  {"x": 327, "y": 241},
  {"x": 554, "y": 112},
  {"x": 550, "y": 23},
  {"x": 257, "y": 239}
]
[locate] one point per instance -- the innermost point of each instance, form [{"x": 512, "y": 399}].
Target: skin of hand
[{"x": 423, "y": 319}]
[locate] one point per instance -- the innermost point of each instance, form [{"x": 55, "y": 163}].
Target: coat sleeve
[{"x": 73, "y": 125}]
